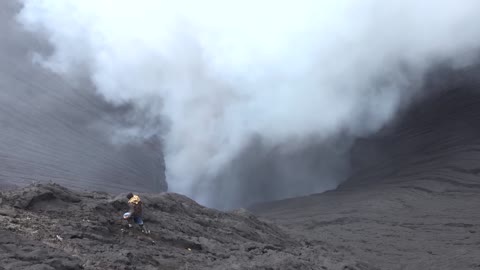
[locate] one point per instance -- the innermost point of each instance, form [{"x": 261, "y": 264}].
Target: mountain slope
[
  {"x": 413, "y": 198},
  {"x": 54, "y": 130}
]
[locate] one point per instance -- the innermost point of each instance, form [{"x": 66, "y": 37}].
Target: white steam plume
[{"x": 224, "y": 71}]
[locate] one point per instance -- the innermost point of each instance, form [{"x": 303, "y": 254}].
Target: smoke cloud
[{"x": 254, "y": 100}]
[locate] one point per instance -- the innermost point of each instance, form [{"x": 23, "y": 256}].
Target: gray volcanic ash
[
  {"x": 52, "y": 129},
  {"x": 413, "y": 197}
]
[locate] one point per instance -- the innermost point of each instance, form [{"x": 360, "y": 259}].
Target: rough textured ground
[
  {"x": 390, "y": 227},
  {"x": 413, "y": 200},
  {"x": 50, "y": 227}
]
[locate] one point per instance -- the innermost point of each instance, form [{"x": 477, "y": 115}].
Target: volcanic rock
[{"x": 46, "y": 226}]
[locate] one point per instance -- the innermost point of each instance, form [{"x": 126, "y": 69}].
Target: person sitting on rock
[{"x": 135, "y": 211}]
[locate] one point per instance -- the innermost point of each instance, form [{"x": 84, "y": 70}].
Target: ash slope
[
  {"x": 413, "y": 199},
  {"x": 53, "y": 130},
  {"x": 51, "y": 227}
]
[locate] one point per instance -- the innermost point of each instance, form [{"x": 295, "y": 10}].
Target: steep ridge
[
  {"x": 53, "y": 130},
  {"x": 412, "y": 200},
  {"x": 438, "y": 140}
]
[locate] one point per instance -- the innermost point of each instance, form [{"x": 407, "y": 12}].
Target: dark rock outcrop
[{"x": 51, "y": 227}]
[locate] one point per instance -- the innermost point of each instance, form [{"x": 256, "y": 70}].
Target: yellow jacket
[{"x": 135, "y": 199}]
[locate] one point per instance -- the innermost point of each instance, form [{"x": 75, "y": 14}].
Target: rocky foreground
[{"x": 51, "y": 227}]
